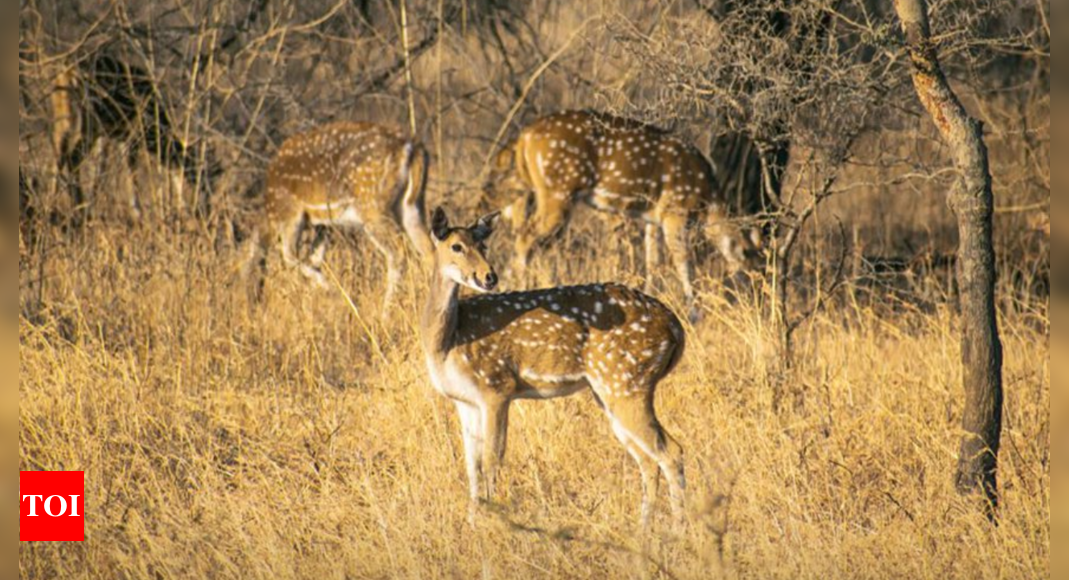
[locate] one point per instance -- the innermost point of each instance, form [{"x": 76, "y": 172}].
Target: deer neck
[{"x": 440, "y": 317}]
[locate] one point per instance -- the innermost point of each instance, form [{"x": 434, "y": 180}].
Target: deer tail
[{"x": 413, "y": 204}]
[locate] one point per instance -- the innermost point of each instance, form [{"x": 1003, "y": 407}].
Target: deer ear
[
  {"x": 485, "y": 226},
  {"x": 439, "y": 225}
]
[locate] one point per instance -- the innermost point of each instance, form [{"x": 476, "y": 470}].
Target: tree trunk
[{"x": 972, "y": 201}]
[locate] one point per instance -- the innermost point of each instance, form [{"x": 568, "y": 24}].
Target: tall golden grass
[{"x": 300, "y": 439}]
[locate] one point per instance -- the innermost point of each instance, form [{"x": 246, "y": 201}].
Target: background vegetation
[{"x": 300, "y": 438}]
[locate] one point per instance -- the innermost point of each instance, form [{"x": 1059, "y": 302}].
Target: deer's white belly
[
  {"x": 336, "y": 214},
  {"x": 551, "y": 386}
]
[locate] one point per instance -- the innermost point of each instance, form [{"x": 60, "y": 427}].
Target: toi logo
[{"x": 52, "y": 506}]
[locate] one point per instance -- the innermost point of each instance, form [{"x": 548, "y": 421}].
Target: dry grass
[
  {"x": 302, "y": 439},
  {"x": 287, "y": 441}
]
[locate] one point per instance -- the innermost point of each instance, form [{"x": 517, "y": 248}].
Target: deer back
[
  {"x": 338, "y": 168},
  {"x": 552, "y": 339},
  {"x": 623, "y": 165}
]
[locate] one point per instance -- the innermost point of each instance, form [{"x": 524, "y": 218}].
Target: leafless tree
[
  {"x": 973, "y": 202},
  {"x": 775, "y": 83},
  {"x": 791, "y": 96}
]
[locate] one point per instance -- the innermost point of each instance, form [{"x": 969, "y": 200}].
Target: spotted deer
[
  {"x": 104, "y": 97},
  {"x": 485, "y": 352},
  {"x": 344, "y": 175},
  {"x": 621, "y": 166}
]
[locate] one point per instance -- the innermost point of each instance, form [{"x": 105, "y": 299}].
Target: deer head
[{"x": 460, "y": 253}]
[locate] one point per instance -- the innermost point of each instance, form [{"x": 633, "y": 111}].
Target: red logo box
[{"x": 52, "y": 506}]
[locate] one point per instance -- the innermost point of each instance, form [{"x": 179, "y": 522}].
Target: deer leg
[
  {"x": 70, "y": 163},
  {"x": 200, "y": 185},
  {"x": 548, "y": 222},
  {"x": 496, "y": 426},
  {"x": 291, "y": 242},
  {"x": 317, "y": 252},
  {"x": 652, "y": 241},
  {"x": 168, "y": 193},
  {"x": 651, "y": 477},
  {"x": 389, "y": 240},
  {"x": 634, "y": 420},
  {"x": 471, "y": 423},
  {"x": 671, "y": 465},
  {"x": 677, "y": 236},
  {"x": 515, "y": 214},
  {"x": 129, "y": 184},
  {"x": 177, "y": 185},
  {"x": 395, "y": 273},
  {"x": 615, "y": 408},
  {"x": 143, "y": 174},
  {"x": 255, "y": 268}
]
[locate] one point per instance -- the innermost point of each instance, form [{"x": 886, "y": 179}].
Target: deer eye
[{"x": 458, "y": 248}]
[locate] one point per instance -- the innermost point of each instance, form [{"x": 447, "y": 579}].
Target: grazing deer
[
  {"x": 622, "y": 166},
  {"x": 348, "y": 175},
  {"x": 108, "y": 98},
  {"x": 486, "y": 352}
]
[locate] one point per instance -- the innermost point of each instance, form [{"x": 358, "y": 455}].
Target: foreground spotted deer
[
  {"x": 348, "y": 175},
  {"x": 486, "y": 352},
  {"x": 621, "y": 166}
]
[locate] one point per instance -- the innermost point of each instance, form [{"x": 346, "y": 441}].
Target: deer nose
[{"x": 491, "y": 280}]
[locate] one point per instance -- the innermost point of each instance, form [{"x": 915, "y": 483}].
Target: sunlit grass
[{"x": 293, "y": 440}]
